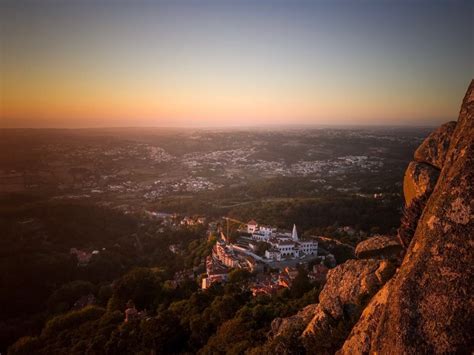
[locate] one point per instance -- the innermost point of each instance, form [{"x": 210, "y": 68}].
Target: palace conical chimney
[{"x": 294, "y": 233}]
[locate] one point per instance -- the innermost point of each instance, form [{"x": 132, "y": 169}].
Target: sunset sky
[{"x": 233, "y": 63}]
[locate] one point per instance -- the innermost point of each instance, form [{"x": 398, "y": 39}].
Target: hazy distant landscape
[
  {"x": 241, "y": 173},
  {"x": 146, "y": 168}
]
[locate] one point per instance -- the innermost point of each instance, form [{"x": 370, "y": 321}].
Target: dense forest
[
  {"x": 40, "y": 278},
  {"x": 42, "y": 283},
  {"x": 178, "y": 320}
]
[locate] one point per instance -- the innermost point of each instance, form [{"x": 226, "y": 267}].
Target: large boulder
[
  {"x": 435, "y": 148},
  {"x": 419, "y": 181},
  {"x": 348, "y": 289},
  {"x": 352, "y": 284},
  {"x": 379, "y": 247},
  {"x": 429, "y": 306}
]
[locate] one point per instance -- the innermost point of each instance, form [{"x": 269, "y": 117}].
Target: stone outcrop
[
  {"x": 435, "y": 148},
  {"x": 419, "y": 181},
  {"x": 348, "y": 289},
  {"x": 351, "y": 283},
  {"x": 429, "y": 304},
  {"x": 293, "y": 324},
  {"x": 379, "y": 247},
  {"x": 421, "y": 177}
]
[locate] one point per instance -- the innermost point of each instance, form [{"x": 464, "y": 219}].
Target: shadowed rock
[
  {"x": 362, "y": 334},
  {"x": 379, "y": 247},
  {"x": 435, "y": 148},
  {"x": 419, "y": 181},
  {"x": 409, "y": 220}
]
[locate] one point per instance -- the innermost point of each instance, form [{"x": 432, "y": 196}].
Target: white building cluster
[
  {"x": 283, "y": 245},
  {"x": 241, "y": 254}
]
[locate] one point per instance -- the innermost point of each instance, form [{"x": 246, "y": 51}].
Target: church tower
[{"x": 294, "y": 234}]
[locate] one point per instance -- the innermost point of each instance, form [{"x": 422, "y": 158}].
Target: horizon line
[{"x": 262, "y": 126}]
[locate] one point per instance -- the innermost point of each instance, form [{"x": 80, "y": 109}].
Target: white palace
[{"x": 283, "y": 245}]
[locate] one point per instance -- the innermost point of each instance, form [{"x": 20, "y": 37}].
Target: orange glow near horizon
[{"x": 70, "y": 100}]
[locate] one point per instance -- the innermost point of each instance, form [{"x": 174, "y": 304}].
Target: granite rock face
[
  {"x": 379, "y": 247},
  {"x": 429, "y": 303},
  {"x": 351, "y": 283},
  {"x": 419, "y": 181},
  {"x": 435, "y": 148},
  {"x": 362, "y": 334},
  {"x": 321, "y": 322},
  {"x": 348, "y": 289}
]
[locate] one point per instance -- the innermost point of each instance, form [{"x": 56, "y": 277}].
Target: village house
[
  {"x": 270, "y": 289},
  {"x": 83, "y": 257},
  {"x": 252, "y": 227},
  {"x": 201, "y": 220},
  {"x": 224, "y": 253},
  {"x": 318, "y": 273},
  {"x": 265, "y": 285},
  {"x": 215, "y": 273},
  {"x": 131, "y": 313},
  {"x": 187, "y": 221}
]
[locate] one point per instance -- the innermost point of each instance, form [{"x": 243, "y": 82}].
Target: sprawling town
[{"x": 137, "y": 168}]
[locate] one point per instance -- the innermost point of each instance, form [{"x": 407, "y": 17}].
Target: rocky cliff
[
  {"x": 429, "y": 304},
  {"x": 412, "y": 294}
]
